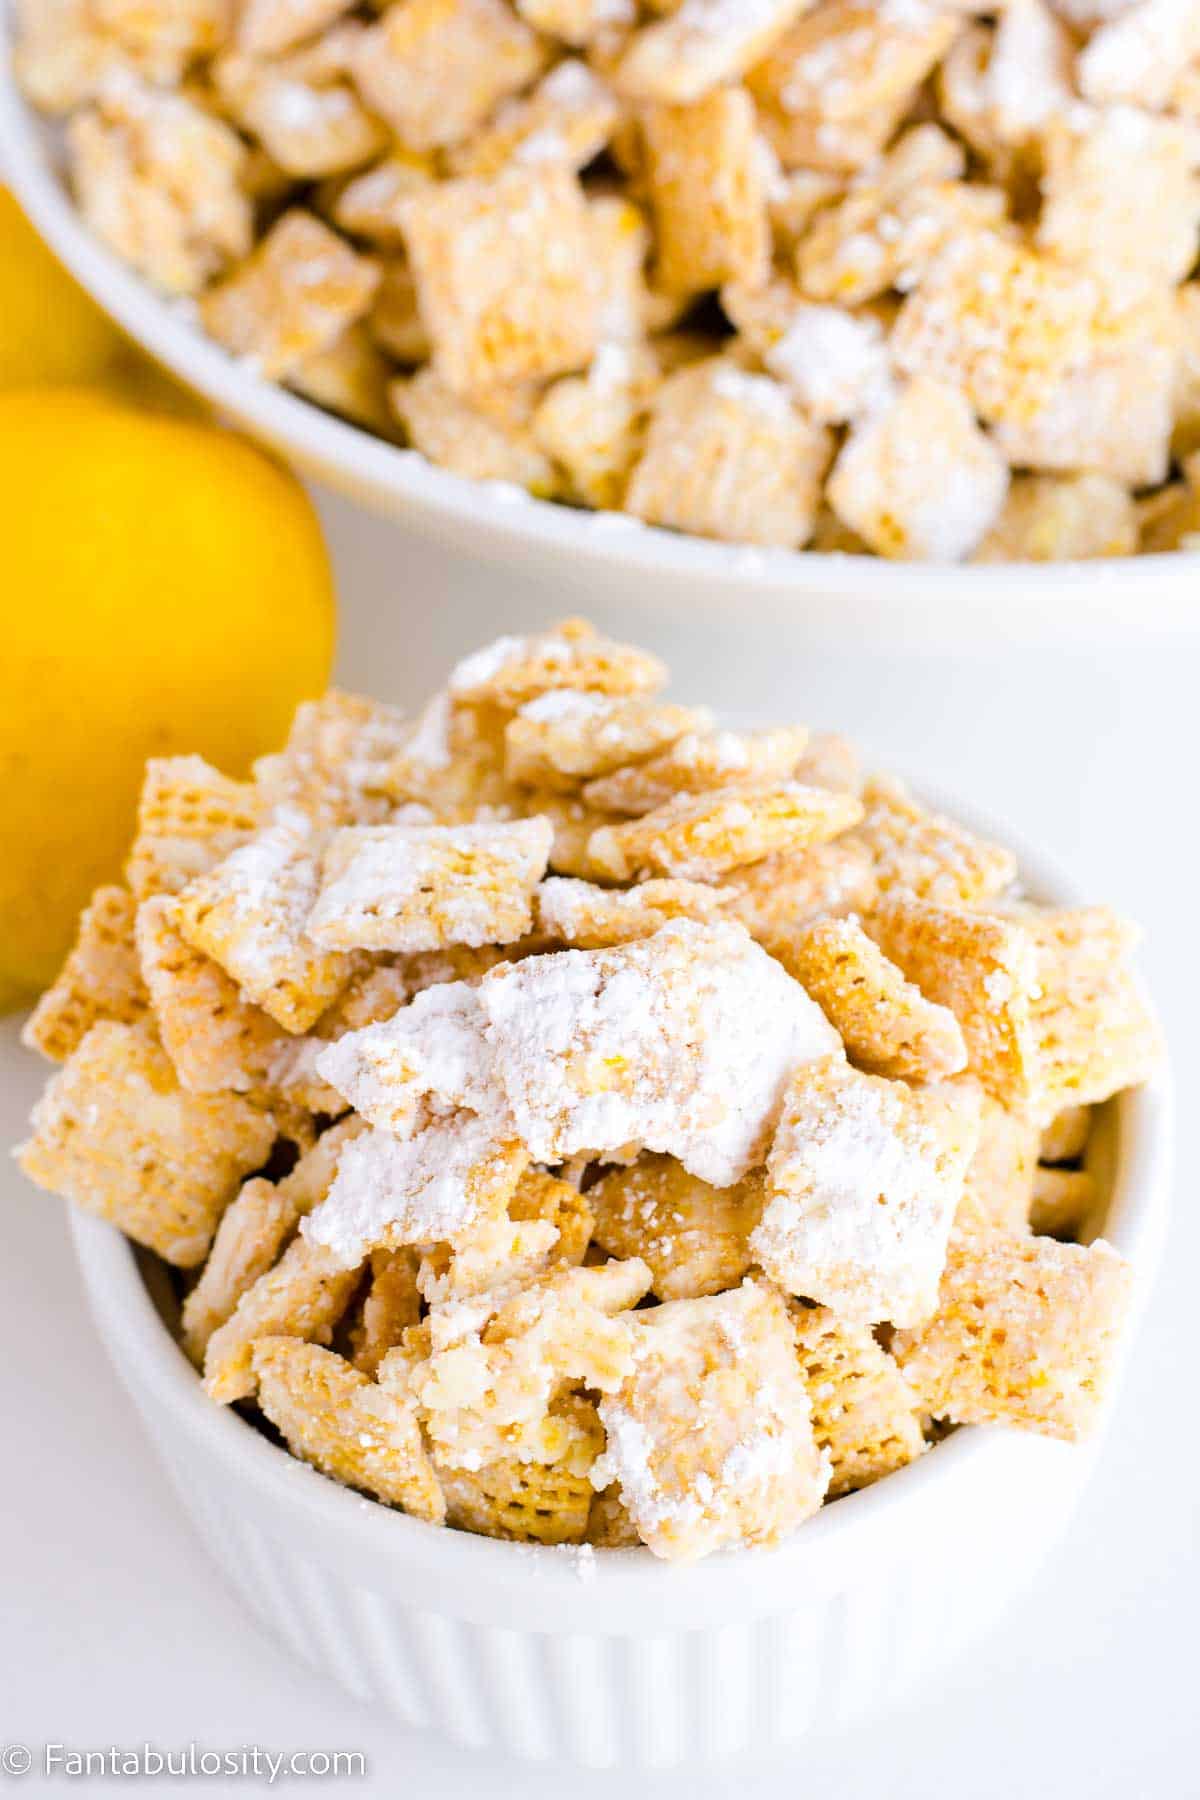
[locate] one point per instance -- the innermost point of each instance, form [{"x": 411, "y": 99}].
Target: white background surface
[{"x": 113, "y": 1629}]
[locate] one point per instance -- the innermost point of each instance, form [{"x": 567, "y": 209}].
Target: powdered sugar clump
[
  {"x": 431, "y": 1050},
  {"x": 835, "y": 364}
]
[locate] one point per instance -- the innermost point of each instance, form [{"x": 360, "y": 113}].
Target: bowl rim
[
  {"x": 841, "y": 1540},
  {"x": 401, "y": 480}
]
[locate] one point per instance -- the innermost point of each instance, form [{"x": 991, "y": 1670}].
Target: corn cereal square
[
  {"x": 707, "y": 186},
  {"x": 864, "y": 1415},
  {"x": 694, "y": 1238},
  {"x": 100, "y": 979}
]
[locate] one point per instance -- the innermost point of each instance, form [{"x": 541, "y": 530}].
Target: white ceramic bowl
[
  {"x": 619, "y": 1659},
  {"x": 835, "y": 599}
]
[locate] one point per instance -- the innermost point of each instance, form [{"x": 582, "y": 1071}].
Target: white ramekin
[
  {"x": 617, "y": 1659},
  {"x": 837, "y": 600}
]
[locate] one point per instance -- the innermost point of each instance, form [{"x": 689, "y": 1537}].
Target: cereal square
[
  {"x": 586, "y": 917},
  {"x": 478, "y": 438},
  {"x": 699, "y": 761},
  {"x": 101, "y": 979},
  {"x": 927, "y": 854},
  {"x": 694, "y": 1238},
  {"x": 707, "y": 186},
  {"x": 699, "y": 837},
  {"x": 514, "y": 670},
  {"x": 864, "y": 1414},
  {"x": 566, "y": 737},
  {"x": 777, "y": 897},
  {"x": 303, "y": 1295},
  {"x": 189, "y": 818},
  {"x": 1050, "y": 518},
  {"x": 702, "y": 43}
]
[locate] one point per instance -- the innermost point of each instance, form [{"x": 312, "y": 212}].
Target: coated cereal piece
[
  {"x": 577, "y": 22},
  {"x": 367, "y": 204},
  {"x": 710, "y": 1436},
  {"x": 302, "y": 1296},
  {"x": 830, "y": 761},
  {"x": 592, "y": 426},
  {"x": 250, "y": 914},
  {"x": 886, "y": 1024},
  {"x": 1141, "y": 54},
  {"x": 727, "y": 455},
  {"x": 845, "y": 60},
  {"x": 864, "y": 1417},
  {"x": 1026, "y": 1333},
  {"x": 435, "y": 69},
  {"x": 504, "y": 275},
  {"x": 699, "y": 837},
  {"x": 587, "y": 917},
  {"x": 834, "y": 147},
  {"x": 395, "y": 322},
  {"x": 470, "y": 439},
  {"x": 350, "y": 378},
  {"x": 62, "y": 55},
  {"x": 164, "y": 36},
  {"x": 702, "y": 43},
  {"x": 1065, "y": 1138},
  {"x": 266, "y": 27},
  {"x": 391, "y": 1305},
  {"x": 215, "y": 1039},
  {"x": 292, "y": 298},
  {"x": 999, "y": 1183},
  {"x": 573, "y": 823},
  {"x": 835, "y": 362},
  {"x": 100, "y": 979},
  {"x": 512, "y": 671},
  {"x": 699, "y": 761},
  {"x": 693, "y": 1237},
  {"x": 189, "y": 818},
  {"x": 609, "y": 1526},
  {"x": 568, "y": 118},
  {"x": 1170, "y": 519},
  {"x": 1061, "y": 1201},
  {"x": 681, "y": 1042},
  {"x": 778, "y": 896},
  {"x": 627, "y": 305},
  {"x": 1049, "y": 518},
  {"x": 309, "y": 127},
  {"x": 707, "y": 187},
  {"x": 926, "y": 853},
  {"x": 544, "y": 1500},
  {"x": 544, "y": 1198},
  {"x": 413, "y": 887},
  {"x": 1186, "y": 434},
  {"x": 486, "y": 1396},
  {"x": 917, "y": 478},
  {"x": 863, "y": 1181},
  {"x": 157, "y": 178},
  {"x": 115, "y": 1133},
  {"x": 1097, "y": 171},
  {"x": 569, "y": 736},
  {"x": 1026, "y": 78},
  {"x": 1093, "y": 1033},
  {"x": 345, "y": 1425},
  {"x": 896, "y": 215},
  {"x": 253, "y": 1229}
]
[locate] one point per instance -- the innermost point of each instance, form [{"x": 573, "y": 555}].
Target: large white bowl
[
  {"x": 619, "y": 1659},
  {"x": 834, "y": 599}
]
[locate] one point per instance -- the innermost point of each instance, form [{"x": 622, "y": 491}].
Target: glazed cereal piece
[
  {"x": 728, "y": 456},
  {"x": 927, "y": 854},
  {"x": 862, "y": 1407},
  {"x": 488, "y": 442},
  {"x": 310, "y": 126},
  {"x": 694, "y": 1238},
  {"x": 292, "y": 298},
  {"x": 394, "y": 322},
  {"x": 189, "y": 818},
  {"x": 710, "y": 1436},
  {"x": 503, "y": 273},
  {"x": 430, "y": 1187},
  {"x": 253, "y": 1228},
  {"x": 563, "y": 738},
  {"x": 157, "y": 179},
  {"x": 345, "y": 1425},
  {"x": 486, "y": 1396},
  {"x": 367, "y": 204},
  {"x": 894, "y": 218},
  {"x": 577, "y": 22},
  {"x": 609, "y": 1526},
  {"x": 586, "y": 917},
  {"x": 863, "y": 1181},
  {"x": 1170, "y": 519},
  {"x": 1141, "y": 54},
  {"x": 303, "y": 1295},
  {"x": 707, "y": 187},
  {"x": 351, "y": 379},
  {"x": 700, "y": 837},
  {"x": 100, "y": 979},
  {"x": 834, "y": 362},
  {"x": 115, "y": 1133},
  {"x": 833, "y": 147},
  {"x": 778, "y": 896},
  {"x": 62, "y": 54},
  {"x": 699, "y": 761},
  {"x": 937, "y": 505},
  {"x": 336, "y": 759},
  {"x": 543, "y": 1500},
  {"x": 1065, "y": 1138},
  {"x": 512, "y": 671},
  {"x": 250, "y": 915},
  {"x": 430, "y": 1053},
  {"x": 544, "y": 1198},
  {"x": 267, "y": 27},
  {"x": 886, "y": 1024},
  {"x": 1061, "y": 1201},
  {"x": 592, "y": 426},
  {"x": 701, "y": 44},
  {"x": 1097, "y": 171},
  {"x": 681, "y": 1043},
  {"x": 568, "y": 118},
  {"x": 999, "y": 1183},
  {"x": 414, "y": 887},
  {"x": 215, "y": 1039},
  {"x": 1186, "y": 434},
  {"x": 627, "y": 306},
  {"x": 830, "y": 761},
  {"x": 391, "y": 1305},
  {"x": 1026, "y": 1333},
  {"x": 844, "y": 59},
  {"x": 435, "y": 69},
  {"x": 1049, "y": 518},
  {"x": 573, "y": 824},
  {"x": 1027, "y": 79}
]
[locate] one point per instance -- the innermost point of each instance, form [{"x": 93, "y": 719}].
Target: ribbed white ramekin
[{"x": 617, "y": 1659}]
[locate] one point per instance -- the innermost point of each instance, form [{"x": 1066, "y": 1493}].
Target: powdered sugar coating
[{"x": 432, "y": 1050}]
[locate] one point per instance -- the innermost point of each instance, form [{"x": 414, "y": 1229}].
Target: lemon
[
  {"x": 52, "y": 331},
  {"x": 166, "y": 589}
]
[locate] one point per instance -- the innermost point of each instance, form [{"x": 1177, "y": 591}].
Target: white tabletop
[{"x": 117, "y": 1631}]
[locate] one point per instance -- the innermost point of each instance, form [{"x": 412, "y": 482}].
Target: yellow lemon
[
  {"x": 51, "y": 330},
  {"x": 165, "y": 589}
]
